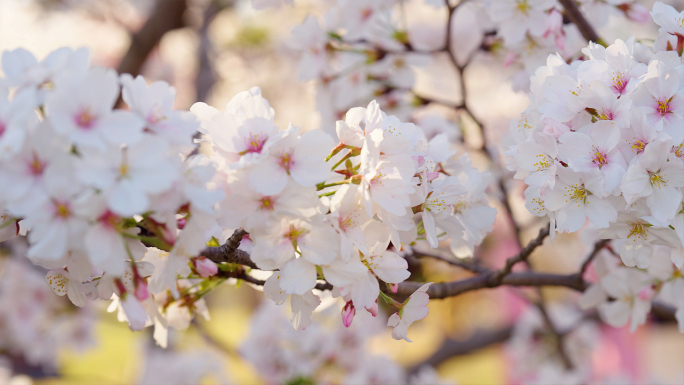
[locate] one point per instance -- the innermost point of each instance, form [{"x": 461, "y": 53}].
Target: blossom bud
[
  {"x": 636, "y": 12},
  {"x": 646, "y": 294},
  {"x": 393, "y": 287},
  {"x": 373, "y": 309},
  {"x": 205, "y": 267},
  {"x": 141, "y": 292},
  {"x": 181, "y": 222},
  {"x": 348, "y": 312},
  {"x": 510, "y": 58}
]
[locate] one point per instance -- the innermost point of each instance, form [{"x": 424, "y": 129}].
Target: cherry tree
[{"x": 152, "y": 208}]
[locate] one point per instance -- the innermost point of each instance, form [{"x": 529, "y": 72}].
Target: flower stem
[
  {"x": 390, "y": 301},
  {"x": 321, "y": 186}
]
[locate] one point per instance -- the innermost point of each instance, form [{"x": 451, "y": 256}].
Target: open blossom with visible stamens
[
  {"x": 662, "y": 100},
  {"x": 578, "y": 196},
  {"x": 82, "y": 111},
  {"x": 17, "y": 120},
  {"x": 154, "y": 104},
  {"x": 538, "y": 158},
  {"x": 291, "y": 155},
  {"x": 639, "y": 237},
  {"x": 586, "y": 153},
  {"x": 127, "y": 176},
  {"x": 657, "y": 175}
]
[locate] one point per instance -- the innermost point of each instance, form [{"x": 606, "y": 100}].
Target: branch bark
[
  {"x": 522, "y": 256},
  {"x": 229, "y": 252},
  {"x": 452, "y": 348},
  {"x": 577, "y": 18},
  {"x": 166, "y": 16}
]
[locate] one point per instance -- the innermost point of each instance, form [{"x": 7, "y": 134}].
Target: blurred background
[{"x": 211, "y": 50}]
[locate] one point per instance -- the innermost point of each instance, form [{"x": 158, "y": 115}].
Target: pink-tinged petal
[
  {"x": 57, "y": 283},
  {"x": 600, "y": 212},
  {"x": 390, "y": 267},
  {"x": 135, "y": 313},
  {"x": 374, "y": 309},
  {"x": 126, "y": 200},
  {"x": 268, "y": 177},
  {"x": 298, "y": 276},
  {"x": 205, "y": 267},
  {"x": 348, "y": 312},
  {"x": 605, "y": 134},
  {"x": 635, "y": 183},
  {"x": 121, "y": 127},
  {"x": 365, "y": 291},
  {"x": 430, "y": 230},
  {"x": 615, "y": 313},
  {"x": 302, "y": 309},
  {"x": 393, "y": 320},
  {"x": 664, "y": 202}
]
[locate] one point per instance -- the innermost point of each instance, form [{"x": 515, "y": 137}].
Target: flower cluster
[
  {"x": 527, "y": 31},
  {"x": 602, "y": 141},
  {"x": 116, "y": 206},
  {"x": 35, "y": 325},
  {"x": 362, "y": 50},
  {"x": 91, "y": 183},
  {"x": 311, "y": 221},
  {"x": 322, "y": 354},
  {"x": 365, "y": 50}
]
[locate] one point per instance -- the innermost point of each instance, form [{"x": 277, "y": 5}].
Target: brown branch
[
  {"x": 522, "y": 256},
  {"x": 166, "y": 16},
  {"x": 577, "y": 18},
  {"x": 470, "y": 266},
  {"x": 206, "y": 75},
  {"x": 454, "y": 288},
  {"x": 452, "y": 348},
  {"x": 558, "y": 337},
  {"x": 229, "y": 252},
  {"x": 598, "y": 246}
]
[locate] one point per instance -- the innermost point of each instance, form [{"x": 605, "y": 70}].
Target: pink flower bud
[
  {"x": 646, "y": 294},
  {"x": 168, "y": 235},
  {"x": 510, "y": 58},
  {"x": 554, "y": 26},
  {"x": 348, "y": 312},
  {"x": 637, "y": 12},
  {"x": 181, "y": 222},
  {"x": 393, "y": 287},
  {"x": 205, "y": 267},
  {"x": 141, "y": 292},
  {"x": 373, "y": 309}
]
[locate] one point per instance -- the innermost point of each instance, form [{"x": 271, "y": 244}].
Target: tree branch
[
  {"x": 598, "y": 246},
  {"x": 452, "y": 348},
  {"x": 473, "y": 267},
  {"x": 577, "y": 18},
  {"x": 229, "y": 252},
  {"x": 166, "y": 16},
  {"x": 522, "y": 256}
]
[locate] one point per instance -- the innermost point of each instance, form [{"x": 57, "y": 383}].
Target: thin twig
[
  {"x": 558, "y": 336},
  {"x": 598, "y": 246},
  {"x": 475, "y": 268},
  {"x": 498, "y": 276}
]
